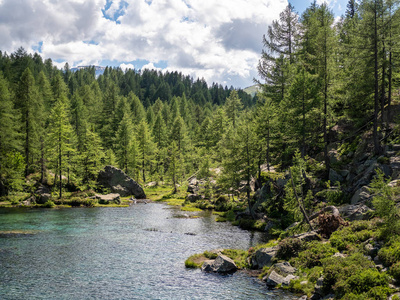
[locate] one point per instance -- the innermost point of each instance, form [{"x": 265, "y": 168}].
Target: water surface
[{"x": 119, "y": 253}]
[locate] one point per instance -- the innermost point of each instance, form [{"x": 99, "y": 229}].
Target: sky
[{"x": 218, "y": 40}]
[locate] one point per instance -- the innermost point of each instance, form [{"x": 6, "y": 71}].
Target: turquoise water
[{"x": 119, "y": 253}]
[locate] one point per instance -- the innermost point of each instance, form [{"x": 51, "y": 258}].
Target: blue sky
[{"x": 218, "y": 40}]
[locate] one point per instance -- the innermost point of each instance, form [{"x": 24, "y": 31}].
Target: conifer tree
[
  {"x": 124, "y": 141},
  {"x": 233, "y": 105},
  {"x": 60, "y": 139},
  {"x": 31, "y": 109},
  {"x": 11, "y": 161},
  {"x": 145, "y": 147}
]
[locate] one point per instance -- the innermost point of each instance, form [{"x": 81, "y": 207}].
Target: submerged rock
[
  {"x": 222, "y": 264},
  {"x": 116, "y": 180}
]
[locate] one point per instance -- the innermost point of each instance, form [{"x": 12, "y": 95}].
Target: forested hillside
[
  {"x": 69, "y": 125},
  {"x": 323, "y": 83}
]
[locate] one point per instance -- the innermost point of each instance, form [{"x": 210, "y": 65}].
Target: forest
[{"x": 322, "y": 129}]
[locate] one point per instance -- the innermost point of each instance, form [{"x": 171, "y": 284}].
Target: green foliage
[
  {"x": 291, "y": 203},
  {"x": 191, "y": 261},
  {"x": 49, "y": 204},
  {"x": 390, "y": 254},
  {"x": 347, "y": 238},
  {"x": 313, "y": 254},
  {"x": 238, "y": 256},
  {"x": 289, "y": 248},
  {"x": 394, "y": 271}
]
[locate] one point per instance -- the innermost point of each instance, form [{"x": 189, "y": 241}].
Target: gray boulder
[
  {"x": 109, "y": 198},
  {"x": 308, "y": 236},
  {"x": 116, "y": 180},
  {"x": 263, "y": 257},
  {"x": 222, "y": 264},
  {"x": 284, "y": 268},
  {"x": 355, "y": 212},
  {"x": 274, "y": 279},
  {"x": 361, "y": 195},
  {"x": 193, "y": 197},
  {"x": 43, "y": 194},
  {"x": 335, "y": 177}
]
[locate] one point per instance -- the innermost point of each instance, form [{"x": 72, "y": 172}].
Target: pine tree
[
  {"x": 60, "y": 139},
  {"x": 146, "y": 147},
  {"x": 124, "y": 141},
  {"x": 31, "y": 110},
  {"x": 11, "y": 161},
  {"x": 233, "y": 105}
]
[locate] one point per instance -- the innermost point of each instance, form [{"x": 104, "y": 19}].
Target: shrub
[
  {"x": 75, "y": 202},
  {"x": 344, "y": 275},
  {"x": 49, "y": 204},
  {"x": 365, "y": 280},
  {"x": 390, "y": 254},
  {"x": 89, "y": 202},
  {"x": 347, "y": 236},
  {"x": 314, "y": 253},
  {"x": 394, "y": 271},
  {"x": 289, "y": 248}
]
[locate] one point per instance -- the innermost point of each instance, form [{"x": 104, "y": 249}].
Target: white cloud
[
  {"x": 216, "y": 40},
  {"x": 125, "y": 67},
  {"x": 150, "y": 66}
]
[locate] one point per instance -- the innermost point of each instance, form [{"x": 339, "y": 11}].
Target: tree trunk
[
  {"x": 377, "y": 148},
  {"x": 299, "y": 202}
]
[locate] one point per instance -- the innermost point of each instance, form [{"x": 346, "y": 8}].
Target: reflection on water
[{"x": 119, "y": 253}]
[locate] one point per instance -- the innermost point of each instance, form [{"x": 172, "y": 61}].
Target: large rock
[
  {"x": 308, "y": 236},
  {"x": 109, "y": 198},
  {"x": 335, "y": 177},
  {"x": 193, "y": 197},
  {"x": 274, "y": 279},
  {"x": 361, "y": 195},
  {"x": 355, "y": 212},
  {"x": 43, "y": 194},
  {"x": 222, "y": 264},
  {"x": 263, "y": 257},
  {"x": 116, "y": 180},
  {"x": 284, "y": 268}
]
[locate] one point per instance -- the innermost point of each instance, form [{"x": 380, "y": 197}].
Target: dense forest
[
  {"x": 313, "y": 149},
  {"x": 319, "y": 77}
]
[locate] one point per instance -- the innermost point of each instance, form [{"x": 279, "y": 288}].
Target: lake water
[{"x": 119, "y": 253}]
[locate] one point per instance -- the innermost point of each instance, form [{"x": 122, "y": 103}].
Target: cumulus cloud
[{"x": 217, "y": 40}]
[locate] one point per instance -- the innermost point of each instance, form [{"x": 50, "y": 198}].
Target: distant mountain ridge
[
  {"x": 252, "y": 90},
  {"x": 99, "y": 70}
]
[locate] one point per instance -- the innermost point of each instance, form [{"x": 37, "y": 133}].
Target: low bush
[
  {"x": 390, "y": 254},
  {"x": 353, "y": 276},
  {"x": 289, "y": 248},
  {"x": 48, "y": 204},
  {"x": 394, "y": 271},
  {"x": 313, "y": 254},
  {"x": 349, "y": 236}
]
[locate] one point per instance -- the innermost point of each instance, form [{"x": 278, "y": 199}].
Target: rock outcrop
[
  {"x": 222, "y": 264},
  {"x": 355, "y": 212},
  {"x": 109, "y": 198},
  {"x": 118, "y": 182},
  {"x": 263, "y": 257},
  {"x": 43, "y": 194}
]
